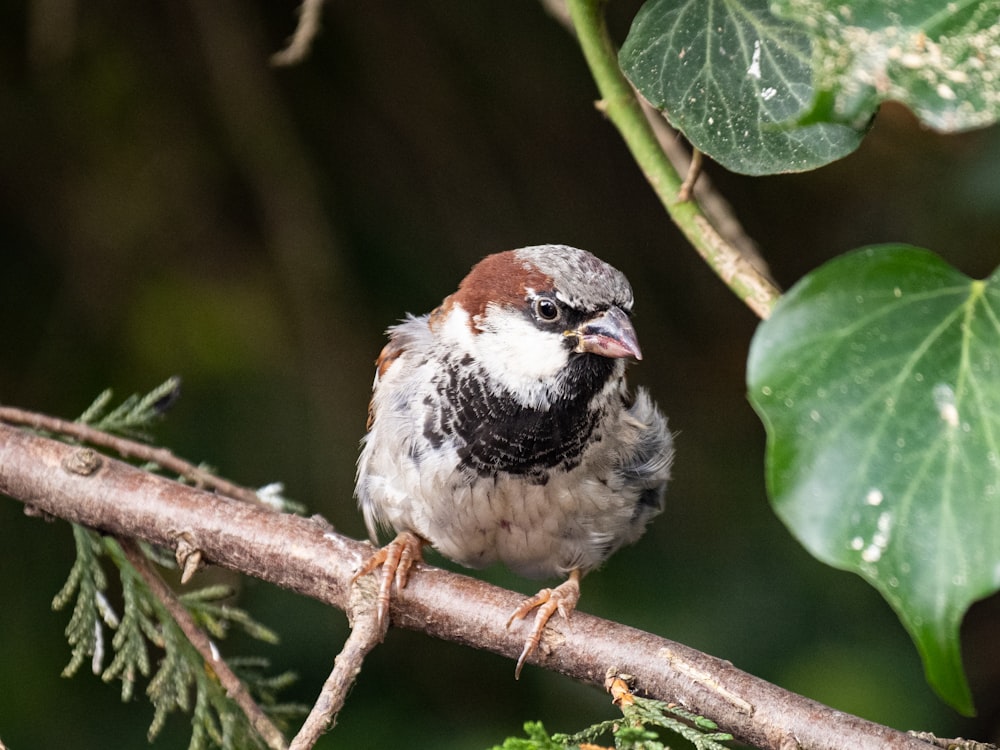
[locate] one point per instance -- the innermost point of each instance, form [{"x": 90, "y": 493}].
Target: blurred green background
[{"x": 171, "y": 204}]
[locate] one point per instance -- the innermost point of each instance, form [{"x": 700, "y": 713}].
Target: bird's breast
[
  {"x": 495, "y": 431},
  {"x": 486, "y": 478}
]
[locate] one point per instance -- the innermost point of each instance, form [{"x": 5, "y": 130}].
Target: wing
[
  {"x": 412, "y": 333},
  {"x": 644, "y": 464},
  {"x": 386, "y": 358},
  {"x": 393, "y": 414}
]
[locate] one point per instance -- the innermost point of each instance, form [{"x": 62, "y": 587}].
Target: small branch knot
[{"x": 82, "y": 461}]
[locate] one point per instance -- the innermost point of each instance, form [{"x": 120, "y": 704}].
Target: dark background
[{"x": 170, "y": 204}]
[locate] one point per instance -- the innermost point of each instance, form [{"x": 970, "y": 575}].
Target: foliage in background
[
  {"x": 636, "y": 730},
  {"x": 878, "y": 378},
  {"x": 764, "y": 88},
  {"x": 181, "y": 672},
  {"x": 733, "y": 78}
]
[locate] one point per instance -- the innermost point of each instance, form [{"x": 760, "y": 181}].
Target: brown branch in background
[
  {"x": 305, "y": 32},
  {"x": 305, "y": 556},
  {"x": 235, "y": 689},
  {"x": 128, "y": 449},
  {"x": 307, "y": 255}
]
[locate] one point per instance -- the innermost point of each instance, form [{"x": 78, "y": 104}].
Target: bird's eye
[{"x": 546, "y": 309}]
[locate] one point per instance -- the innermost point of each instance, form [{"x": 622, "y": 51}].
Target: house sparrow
[{"x": 501, "y": 430}]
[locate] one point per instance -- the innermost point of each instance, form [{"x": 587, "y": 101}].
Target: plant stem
[
  {"x": 234, "y": 687},
  {"x": 129, "y": 449},
  {"x": 619, "y": 103}
]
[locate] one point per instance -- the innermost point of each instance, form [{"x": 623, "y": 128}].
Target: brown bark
[{"x": 307, "y": 556}]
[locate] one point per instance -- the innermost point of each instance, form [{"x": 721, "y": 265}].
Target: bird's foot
[
  {"x": 396, "y": 559},
  {"x": 561, "y": 599}
]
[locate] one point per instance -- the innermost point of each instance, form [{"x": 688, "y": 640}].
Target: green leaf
[
  {"x": 537, "y": 739},
  {"x": 87, "y": 581},
  {"x": 938, "y": 58},
  {"x": 878, "y": 380},
  {"x": 135, "y": 412},
  {"x": 734, "y": 78}
]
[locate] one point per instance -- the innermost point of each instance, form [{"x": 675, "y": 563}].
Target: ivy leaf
[
  {"x": 734, "y": 78},
  {"x": 938, "y": 58},
  {"x": 878, "y": 381}
]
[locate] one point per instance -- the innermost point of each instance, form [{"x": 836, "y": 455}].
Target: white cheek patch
[{"x": 516, "y": 352}]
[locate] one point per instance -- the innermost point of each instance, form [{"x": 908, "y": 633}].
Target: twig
[
  {"x": 365, "y": 635},
  {"x": 624, "y": 110},
  {"x": 235, "y": 688},
  {"x": 717, "y": 209},
  {"x": 129, "y": 449},
  {"x": 305, "y": 556},
  {"x": 686, "y": 191},
  {"x": 305, "y": 32}
]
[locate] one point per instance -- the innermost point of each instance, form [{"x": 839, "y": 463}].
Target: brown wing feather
[{"x": 389, "y": 354}]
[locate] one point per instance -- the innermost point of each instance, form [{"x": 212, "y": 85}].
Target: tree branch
[
  {"x": 305, "y": 32},
  {"x": 718, "y": 211},
  {"x": 128, "y": 449},
  {"x": 366, "y": 633},
  {"x": 619, "y": 102},
  {"x": 199, "y": 639},
  {"x": 304, "y": 555}
]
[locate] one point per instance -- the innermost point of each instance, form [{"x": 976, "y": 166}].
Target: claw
[
  {"x": 561, "y": 599},
  {"x": 397, "y": 558}
]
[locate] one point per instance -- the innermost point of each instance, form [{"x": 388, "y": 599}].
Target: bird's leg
[
  {"x": 396, "y": 559},
  {"x": 561, "y": 599}
]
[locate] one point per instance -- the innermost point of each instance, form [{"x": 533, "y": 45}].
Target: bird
[{"x": 501, "y": 430}]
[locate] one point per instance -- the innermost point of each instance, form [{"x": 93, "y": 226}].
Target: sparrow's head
[{"x": 539, "y": 318}]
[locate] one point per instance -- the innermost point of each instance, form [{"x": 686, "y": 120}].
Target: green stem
[{"x": 619, "y": 102}]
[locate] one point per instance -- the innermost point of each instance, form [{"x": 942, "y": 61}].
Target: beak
[{"x": 609, "y": 334}]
